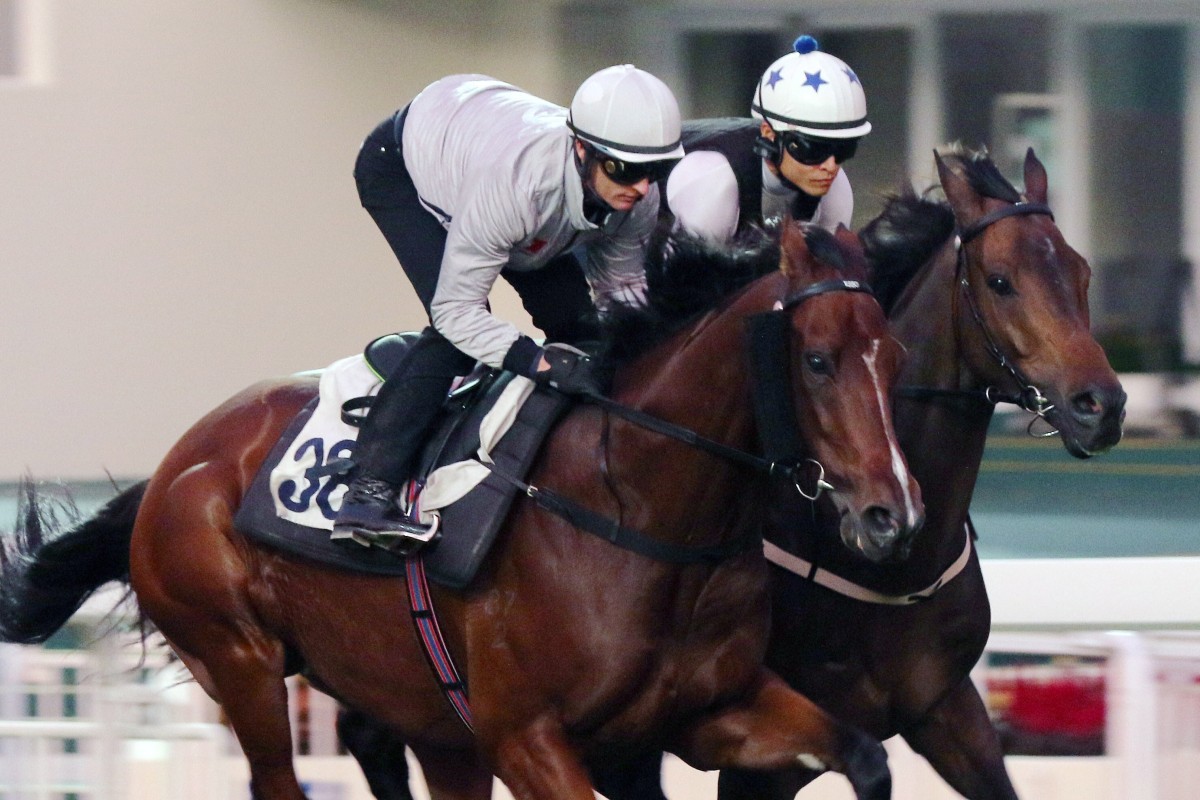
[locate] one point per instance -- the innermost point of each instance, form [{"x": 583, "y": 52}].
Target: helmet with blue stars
[{"x": 811, "y": 92}]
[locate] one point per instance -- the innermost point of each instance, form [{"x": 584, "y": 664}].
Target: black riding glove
[{"x": 570, "y": 371}]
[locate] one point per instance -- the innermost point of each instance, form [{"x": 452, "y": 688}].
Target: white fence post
[{"x": 1131, "y": 731}]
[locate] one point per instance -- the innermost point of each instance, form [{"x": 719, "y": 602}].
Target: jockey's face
[
  {"x": 618, "y": 196},
  {"x": 812, "y": 179}
]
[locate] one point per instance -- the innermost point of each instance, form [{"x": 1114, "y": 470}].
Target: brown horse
[
  {"x": 989, "y": 321},
  {"x": 1003, "y": 316},
  {"x": 576, "y": 651}
]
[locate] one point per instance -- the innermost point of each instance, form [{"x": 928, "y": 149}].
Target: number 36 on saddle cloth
[{"x": 492, "y": 428}]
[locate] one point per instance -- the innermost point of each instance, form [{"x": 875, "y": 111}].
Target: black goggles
[
  {"x": 811, "y": 151},
  {"x": 627, "y": 173}
]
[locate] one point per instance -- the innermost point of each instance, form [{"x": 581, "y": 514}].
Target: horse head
[
  {"x": 843, "y": 364},
  {"x": 1022, "y": 303}
]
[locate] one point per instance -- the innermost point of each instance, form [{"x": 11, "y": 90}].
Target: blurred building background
[
  {"x": 1108, "y": 93},
  {"x": 178, "y": 220},
  {"x": 177, "y": 217}
]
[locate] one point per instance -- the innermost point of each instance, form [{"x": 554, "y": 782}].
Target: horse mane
[
  {"x": 901, "y": 240},
  {"x": 904, "y": 235},
  {"x": 687, "y": 276}
]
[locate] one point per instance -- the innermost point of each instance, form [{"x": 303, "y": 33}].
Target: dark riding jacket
[{"x": 734, "y": 137}]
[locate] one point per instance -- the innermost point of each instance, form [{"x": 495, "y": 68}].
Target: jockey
[
  {"x": 476, "y": 179},
  {"x": 811, "y": 112}
]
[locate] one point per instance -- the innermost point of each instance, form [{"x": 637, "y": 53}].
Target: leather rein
[{"x": 789, "y": 466}]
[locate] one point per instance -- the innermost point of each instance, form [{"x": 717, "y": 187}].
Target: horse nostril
[
  {"x": 881, "y": 522},
  {"x": 1087, "y": 404}
]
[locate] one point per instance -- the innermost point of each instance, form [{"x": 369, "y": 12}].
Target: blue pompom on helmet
[{"x": 811, "y": 92}]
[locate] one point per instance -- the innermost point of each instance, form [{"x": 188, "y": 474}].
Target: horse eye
[
  {"x": 1000, "y": 285},
  {"x": 818, "y": 364}
]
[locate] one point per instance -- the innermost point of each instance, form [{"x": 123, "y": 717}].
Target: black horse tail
[{"x": 51, "y": 565}]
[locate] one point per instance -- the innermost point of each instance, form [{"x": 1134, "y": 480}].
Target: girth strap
[{"x": 433, "y": 644}]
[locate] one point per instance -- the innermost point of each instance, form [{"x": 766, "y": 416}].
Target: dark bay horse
[
  {"x": 1003, "y": 316},
  {"x": 1005, "y": 313},
  {"x": 576, "y": 651}
]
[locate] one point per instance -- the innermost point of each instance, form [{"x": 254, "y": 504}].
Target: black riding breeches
[
  {"x": 403, "y": 413},
  {"x": 389, "y": 196}
]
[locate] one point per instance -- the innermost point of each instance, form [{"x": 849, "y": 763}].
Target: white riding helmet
[
  {"x": 627, "y": 113},
  {"x": 812, "y": 92}
]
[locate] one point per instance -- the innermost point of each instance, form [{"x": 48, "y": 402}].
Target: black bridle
[
  {"x": 1028, "y": 396},
  {"x": 783, "y": 460},
  {"x": 786, "y": 465}
]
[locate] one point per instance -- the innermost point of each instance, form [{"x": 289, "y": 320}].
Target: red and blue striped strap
[{"x": 420, "y": 605}]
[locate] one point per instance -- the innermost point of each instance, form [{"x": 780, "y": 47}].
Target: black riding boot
[{"x": 389, "y": 443}]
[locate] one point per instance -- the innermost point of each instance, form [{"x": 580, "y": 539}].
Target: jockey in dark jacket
[{"x": 809, "y": 111}]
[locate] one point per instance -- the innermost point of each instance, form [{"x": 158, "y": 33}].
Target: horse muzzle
[
  {"x": 880, "y": 533},
  {"x": 1091, "y": 420}
]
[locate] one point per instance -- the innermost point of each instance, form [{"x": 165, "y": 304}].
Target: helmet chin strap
[
  {"x": 772, "y": 152},
  {"x": 595, "y": 209}
]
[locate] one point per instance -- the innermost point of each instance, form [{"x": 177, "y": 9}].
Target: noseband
[{"x": 1029, "y": 397}]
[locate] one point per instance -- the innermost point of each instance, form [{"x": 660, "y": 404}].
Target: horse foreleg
[
  {"x": 536, "y": 762},
  {"x": 638, "y": 780},
  {"x": 737, "y": 784},
  {"x": 776, "y": 728},
  {"x": 379, "y": 752},
  {"x": 454, "y": 774},
  {"x": 960, "y": 742}
]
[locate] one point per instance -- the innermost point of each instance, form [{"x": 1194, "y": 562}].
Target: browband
[
  {"x": 821, "y": 287},
  {"x": 1016, "y": 209}
]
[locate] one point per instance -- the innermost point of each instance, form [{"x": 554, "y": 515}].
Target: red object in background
[{"x": 1072, "y": 706}]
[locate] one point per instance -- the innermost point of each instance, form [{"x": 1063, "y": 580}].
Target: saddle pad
[
  {"x": 257, "y": 520},
  {"x": 293, "y": 499}
]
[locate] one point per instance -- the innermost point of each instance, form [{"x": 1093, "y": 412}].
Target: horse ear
[
  {"x": 852, "y": 252},
  {"x": 793, "y": 248},
  {"x": 965, "y": 201},
  {"x": 1035, "y": 178}
]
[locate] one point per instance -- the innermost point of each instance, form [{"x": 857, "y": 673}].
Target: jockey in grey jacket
[
  {"x": 476, "y": 179},
  {"x": 497, "y": 167}
]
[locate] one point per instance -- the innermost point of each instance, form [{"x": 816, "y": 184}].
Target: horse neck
[
  {"x": 699, "y": 378},
  {"x": 700, "y": 375},
  {"x": 942, "y": 438}
]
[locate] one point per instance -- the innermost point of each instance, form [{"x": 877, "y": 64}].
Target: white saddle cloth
[{"x": 307, "y": 499}]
